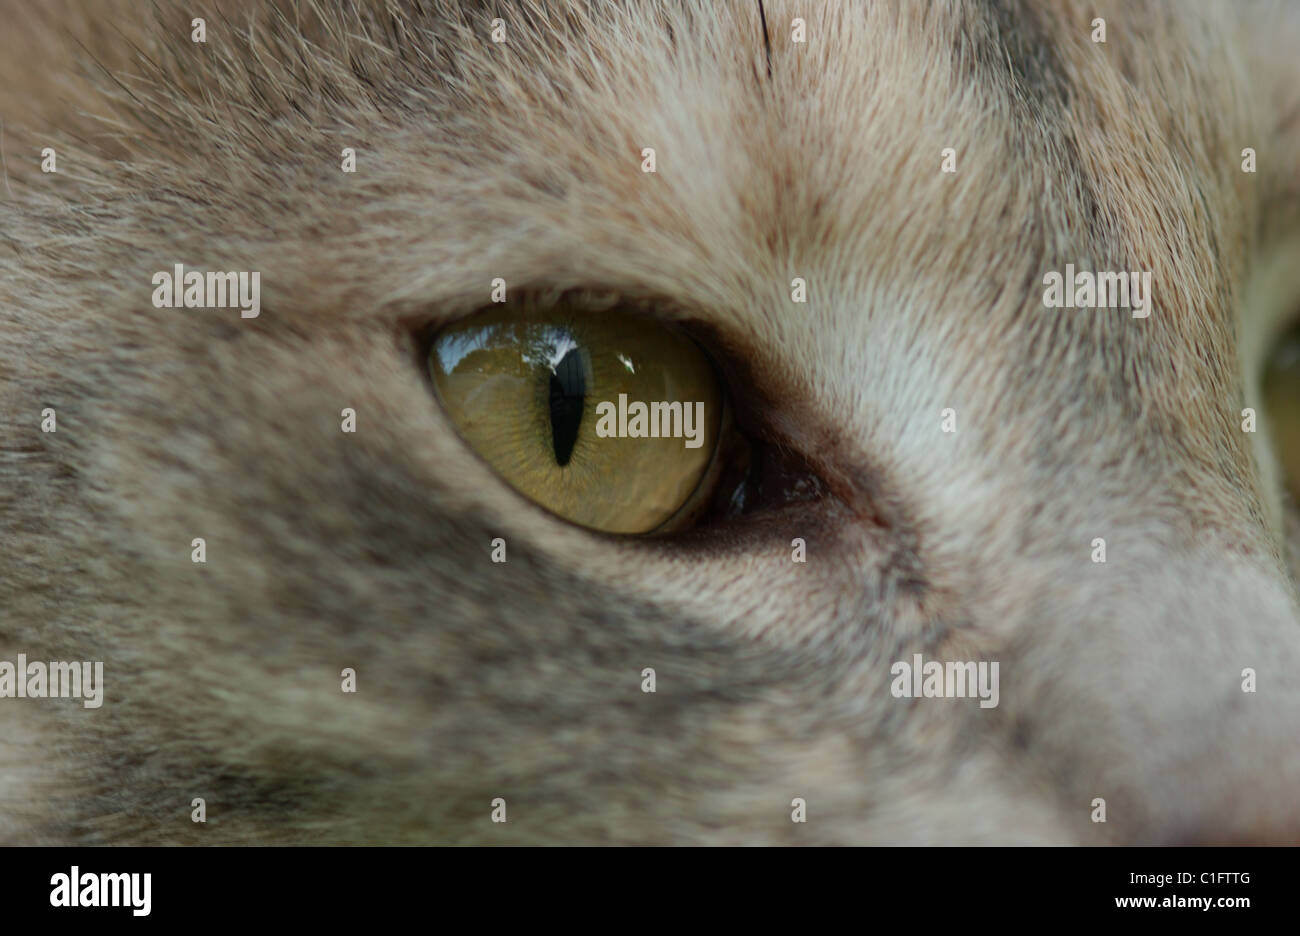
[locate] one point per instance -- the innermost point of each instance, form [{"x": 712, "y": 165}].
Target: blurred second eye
[{"x": 1282, "y": 399}]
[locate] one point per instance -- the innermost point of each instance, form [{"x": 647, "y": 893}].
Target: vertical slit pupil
[{"x": 568, "y": 394}]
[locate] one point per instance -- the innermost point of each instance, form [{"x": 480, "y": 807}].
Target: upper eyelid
[
  {"x": 596, "y": 299},
  {"x": 424, "y": 324}
]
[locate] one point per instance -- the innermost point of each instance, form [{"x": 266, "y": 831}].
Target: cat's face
[{"x": 962, "y": 536}]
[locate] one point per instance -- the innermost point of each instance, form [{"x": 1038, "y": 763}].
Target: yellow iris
[{"x": 549, "y": 399}]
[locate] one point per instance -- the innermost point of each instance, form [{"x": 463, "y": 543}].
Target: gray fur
[{"x": 522, "y": 680}]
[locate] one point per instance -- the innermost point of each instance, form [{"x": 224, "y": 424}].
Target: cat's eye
[
  {"x": 610, "y": 421},
  {"x": 1282, "y": 399}
]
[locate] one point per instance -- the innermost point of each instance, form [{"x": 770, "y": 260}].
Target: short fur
[{"x": 522, "y": 680}]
